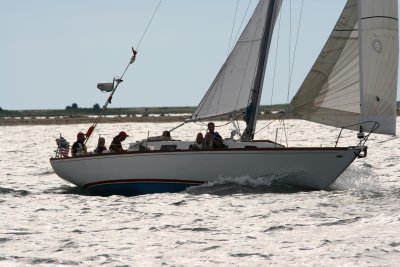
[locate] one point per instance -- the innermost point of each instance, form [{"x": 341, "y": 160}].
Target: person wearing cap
[
  {"x": 79, "y": 147},
  {"x": 116, "y": 145}
]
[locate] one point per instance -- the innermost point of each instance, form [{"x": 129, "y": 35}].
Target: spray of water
[{"x": 357, "y": 177}]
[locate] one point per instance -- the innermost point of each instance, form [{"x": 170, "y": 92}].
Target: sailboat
[{"x": 351, "y": 85}]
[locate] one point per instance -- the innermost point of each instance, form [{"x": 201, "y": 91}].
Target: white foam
[{"x": 357, "y": 177}]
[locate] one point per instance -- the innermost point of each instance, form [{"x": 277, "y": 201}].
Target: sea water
[{"x": 236, "y": 221}]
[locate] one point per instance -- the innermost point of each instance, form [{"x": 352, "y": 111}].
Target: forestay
[{"x": 354, "y": 79}]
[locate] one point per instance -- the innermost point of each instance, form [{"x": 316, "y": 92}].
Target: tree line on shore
[{"x": 75, "y": 110}]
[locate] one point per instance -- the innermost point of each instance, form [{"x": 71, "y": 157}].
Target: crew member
[
  {"x": 79, "y": 147},
  {"x": 116, "y": 145}
]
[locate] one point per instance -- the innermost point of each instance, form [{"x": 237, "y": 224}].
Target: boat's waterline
[{"x": 135, "y": 173}]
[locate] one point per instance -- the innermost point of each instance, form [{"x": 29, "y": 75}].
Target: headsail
[
  {"x": 232, "y": 87},
  {"x": 354, "y": 78}
]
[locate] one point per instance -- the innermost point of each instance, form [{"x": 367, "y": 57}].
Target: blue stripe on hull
[{"x": 138, "y": 188}]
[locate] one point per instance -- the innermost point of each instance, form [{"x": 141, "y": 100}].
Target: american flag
[
  {"x": 64, "y": 151},
  {"x": 63, "y": 146}
]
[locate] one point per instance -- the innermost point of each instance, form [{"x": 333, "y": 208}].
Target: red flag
[{"x": 133, "y": 58}]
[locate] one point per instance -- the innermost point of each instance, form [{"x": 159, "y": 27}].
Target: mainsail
[
  {"x": 231, "y": 90},
  {"x": 354, "y": 79}
]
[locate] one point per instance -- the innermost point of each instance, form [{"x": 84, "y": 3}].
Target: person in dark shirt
[
  {"x": 116, "y": 145},
  {"x": 79, "y": 147},
  {"x": 166, "y": 135},
  {"x": 212, "y": 138}
]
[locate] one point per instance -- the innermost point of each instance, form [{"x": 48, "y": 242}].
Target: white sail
[
  {"x": 379, "y": 62},
  {"x": 232, "y": 87},
  {"x": 355, "y": 77}
]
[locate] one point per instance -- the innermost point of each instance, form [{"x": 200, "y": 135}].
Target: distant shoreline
[
  {"x": 83, "y": 120},
  {"x": 18, "y": 121},
  {"x": 75, "y": 115},
  {"x": 89, "y": 119}
]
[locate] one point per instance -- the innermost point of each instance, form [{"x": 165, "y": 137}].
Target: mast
[
  {"x": 253, "y": 107},
  {"x": 360, "y": 60}
]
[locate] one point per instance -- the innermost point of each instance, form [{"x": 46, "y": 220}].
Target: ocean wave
[
  {"x": 9, "y": 191},
  {"x": 66, "y": 189},
  {"x": 46, "y": 172}
]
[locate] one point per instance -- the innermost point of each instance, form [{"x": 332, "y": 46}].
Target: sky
[{"x": 53, "y": 53}]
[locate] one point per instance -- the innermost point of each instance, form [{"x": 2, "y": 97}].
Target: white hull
[{"x": 314, "y": 168}]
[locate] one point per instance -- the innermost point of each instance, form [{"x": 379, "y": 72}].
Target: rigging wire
[
  {"x": 233, "y": 27},
  {"x": 274, "y": 73},
  {"x": 276, "y": 57},
  {"x": 119, "y": 80},
  {"x": 280, "y": 118},
  {"x": 275, "y": 64},
  {"x": 148, "y": 25},
  {"x": 238, "y": 126},
  {"x": 290, "y": 46},
  {"x": 241, "y": 23},
  {"x": 291, "y": 64},
  {"x": 291, "y": 61},
  {"x": 143, "y": 35}
]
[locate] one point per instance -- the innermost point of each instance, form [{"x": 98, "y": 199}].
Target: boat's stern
[{"x": 63, "y": 169}]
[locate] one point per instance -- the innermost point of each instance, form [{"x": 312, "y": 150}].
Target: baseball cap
[{"x": 122, "y": 133}]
